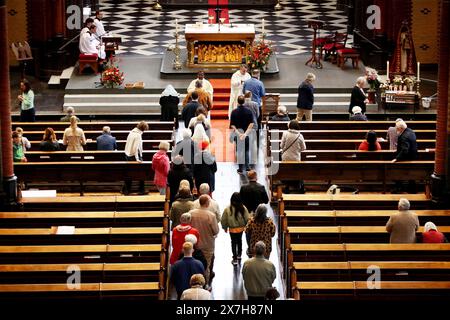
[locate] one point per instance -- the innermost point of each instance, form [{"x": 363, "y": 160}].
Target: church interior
[{"x": 302, "y": 144}]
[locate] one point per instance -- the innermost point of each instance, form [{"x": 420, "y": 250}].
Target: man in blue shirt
[
  {"x": 241, "y": 122},
  {"x": 106, "y": 141},
  {"x": 256, "y": 87},
  {"x": 183, "y": 269}
]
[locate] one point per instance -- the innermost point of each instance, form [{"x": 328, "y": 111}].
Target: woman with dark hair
[
  {"x": 371, "y": 143},
  {"x": 26, "y": 99},
  {"x": 261, "y": 228},
  {"x": 49, "y": 142},
  {"x": 234, "y": 219}
]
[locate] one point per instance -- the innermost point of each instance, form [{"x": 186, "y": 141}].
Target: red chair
[
  {"x": 88, "y": 61},
  {"x": 339, "y": 41},
  {"x": 321, "y": 42},
  {"x": 347, "y": 53}
]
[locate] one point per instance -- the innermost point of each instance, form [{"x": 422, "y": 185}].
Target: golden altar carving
[{"x": 207, "y": 46}]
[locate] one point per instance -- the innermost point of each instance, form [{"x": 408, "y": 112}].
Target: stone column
[
  {"x": 59, "y": 17},
  {"x": 9, "y": 179},
  {"x": 439, "y": 189}
]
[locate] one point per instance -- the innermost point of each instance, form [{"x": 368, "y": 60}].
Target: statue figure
[
  {"x": 405, "y": 51},
  {"x": 220, "y": 54}
]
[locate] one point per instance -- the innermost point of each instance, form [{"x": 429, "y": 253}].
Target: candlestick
[
  {"x": 418, "y": 71},
  {"x": 387, "y": 72}
]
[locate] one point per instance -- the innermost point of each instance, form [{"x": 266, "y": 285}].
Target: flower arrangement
[
  {"x": 259, "y": 54},
  {"x": 372, "y": 78},
  {"x": 112, "y": 76},
  {"x": 398, "y": 80}
]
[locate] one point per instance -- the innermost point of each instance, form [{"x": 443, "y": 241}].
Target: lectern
[
  {"x": 111, "y": 44},
  {"x": 314, "y": 60}
]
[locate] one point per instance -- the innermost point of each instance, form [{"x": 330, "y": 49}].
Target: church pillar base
[
  {"x": 10, "y": 192},
  {"x": 439, "y": 190}
]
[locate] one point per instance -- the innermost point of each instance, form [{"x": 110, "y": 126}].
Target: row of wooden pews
[
  {"x": 89, "y": 168},
  {"x": 332, "y": 155},
  {"x": 85, "y": 248},
  {"x": 333, "y": 247}
]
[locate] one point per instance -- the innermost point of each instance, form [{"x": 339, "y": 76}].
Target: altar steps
[{"x": 222, "y": 88}]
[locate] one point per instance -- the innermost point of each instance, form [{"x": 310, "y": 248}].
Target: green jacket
[
  {"x": 18, "y": 154},
  {"x": 229, "y": 219},
  {"x": 258, "y": 274}
]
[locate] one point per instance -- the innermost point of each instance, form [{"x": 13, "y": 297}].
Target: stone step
[{"x": 54, "y": 82}]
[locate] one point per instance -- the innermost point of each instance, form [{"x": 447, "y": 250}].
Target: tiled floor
[{"x": 148, "y": 32}]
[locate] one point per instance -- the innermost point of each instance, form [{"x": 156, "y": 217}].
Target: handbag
[{"x": 286, "y": 149}]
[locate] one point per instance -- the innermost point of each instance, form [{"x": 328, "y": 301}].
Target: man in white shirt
[
  {"x": 87, "y": 25},
  {"x": 206, "y": 85},
  {"x": 98, "y": 22},
  {"x": 133, "y": 152},
  {"x": 237, "y": 84}
]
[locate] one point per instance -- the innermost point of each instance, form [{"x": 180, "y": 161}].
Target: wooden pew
[
  {"x": 92, "y": 145},
  {"x": 82, "y": 172},
  {"x": 58, "y": 156},
  {"x": 103, "y": 203},
  {"x": 345, "y": 134},
  {"x": 336, "y": 171},
  {"x": 92, "y": 125},
  {"x": 355, "y": 125},
  {"x": 389, "y": 290},
  {"x": 85, "y": 219},
  {"x": 347, "y": 144},
  {"x": 118, "y": 134},
  {"x": 350, "y": 155}
]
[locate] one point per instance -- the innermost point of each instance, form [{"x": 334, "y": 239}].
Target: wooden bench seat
[
  {"x": 82, "y": 172},
  {"x": 118, "y": 134},
  {"x": 59, "y": 156},
  {"x": 339, "y": 155},
  {"x": 398, "y": 290},
  {"x": 105, "y": 203},
  {"x": 276, "y": 134},
  {"x": 92, "y": 145},
  {"x": 51, "y": 267},
  {"x": 355, "y": 125},
  {"x": 92, "y": 125}
]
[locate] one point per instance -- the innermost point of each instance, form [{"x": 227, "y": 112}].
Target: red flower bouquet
[
  {"x": 259, "y": 55},
  {"x": 112, "y": 76}
]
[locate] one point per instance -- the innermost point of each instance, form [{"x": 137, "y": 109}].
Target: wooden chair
[
  {"x": 270, "y": 103},
  {"x": 347, "y": 53}
]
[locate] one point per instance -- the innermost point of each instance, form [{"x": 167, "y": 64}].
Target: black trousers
[
  {"x": 28, "y": 115},
  {"x": 128, "y": 182},
  {"x": 236, "y": 244}
]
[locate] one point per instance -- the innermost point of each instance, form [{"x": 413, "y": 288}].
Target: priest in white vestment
[
  {"x": 237, "y": 84},
  {"x": 90, "y": 45},
  {"x": 87, "y": 23},
  {"x": 99, "y": 23},
  {"x": 206, "y": 85}
]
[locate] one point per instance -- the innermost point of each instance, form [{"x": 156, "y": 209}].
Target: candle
[
  {"x": 263, "y": 25},
  {"x": 387, "y": 71},
  {"x": 418, "y": 71},
  {"x": 176, "y": 25}
]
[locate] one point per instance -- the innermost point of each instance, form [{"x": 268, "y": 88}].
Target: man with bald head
[{"x": 205, "y": 84}]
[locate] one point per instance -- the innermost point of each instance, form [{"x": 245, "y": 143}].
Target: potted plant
[
  {"x": 112, "y": 76},
  {"x": 259, "y": 55}
]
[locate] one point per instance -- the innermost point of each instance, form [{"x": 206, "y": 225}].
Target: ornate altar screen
[{"x": 211, "y": 45}]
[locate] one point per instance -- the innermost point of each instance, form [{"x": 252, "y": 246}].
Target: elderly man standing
[
  {"x": 403, "y": 225},
  {"x": 206, "y": 85},
  {"x": 237, "y": 84},
  {"x": 213, "y": 205},
  {"x": 106, "y": 141},
  {"x": 258, "y": 273},
  {"x": 406, "y": 151},
  {"x": 70, "y": 113},
  {"x": 205, "y": 222},
  {"x": 253, "y": 193}
]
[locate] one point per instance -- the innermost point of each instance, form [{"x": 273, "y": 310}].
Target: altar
[{"x": 214, "y": 45}]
